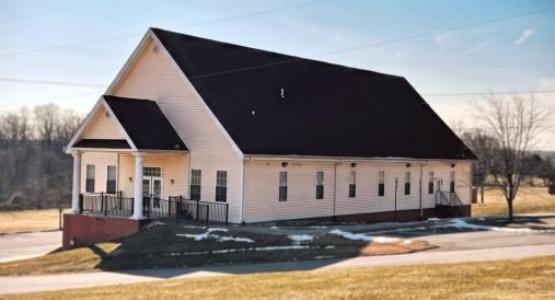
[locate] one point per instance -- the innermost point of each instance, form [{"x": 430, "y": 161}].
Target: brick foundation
[{"x": 85, "y": 230}]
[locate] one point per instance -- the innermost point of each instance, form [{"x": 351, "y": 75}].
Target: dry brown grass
[
  {"x": 74, "y": 260},
  {"x": 28, "y": 220},
  {"x": 395, "y": 248},
  {"x": 528, "y": 200},
  {"x": 511, "y": 280}
]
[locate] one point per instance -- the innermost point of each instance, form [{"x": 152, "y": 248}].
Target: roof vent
[
  {"x": 155, "y": 49},
  {"x": 282, "y": 93}
]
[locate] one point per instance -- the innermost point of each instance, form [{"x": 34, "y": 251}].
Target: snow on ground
[
  {"x": 463, "y": 225},
  {"x": 433, "y": 219},
  {"x": 299, "y": 238},
  {"x": 218, "y": 238},
  {"x": 363, "y": 237},
  {"x": 232, "y": 239},
  {"x": 274, "y": 227}
]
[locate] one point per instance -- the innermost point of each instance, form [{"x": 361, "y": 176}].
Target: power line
[
  {"x": 203, "y": 23},
  {"x": 63, "y": 83},
  {"x": 383, "y": 43},
  {"x": 488, "y": 94},
  {"x": 431, "y": 94}
]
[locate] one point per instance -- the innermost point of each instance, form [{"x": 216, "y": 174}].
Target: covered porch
[{"x": 129, "y": 162}]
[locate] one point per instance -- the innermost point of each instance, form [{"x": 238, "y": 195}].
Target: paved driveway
[
  {"x": 476, "y": 246},
  {"x": 17, "y": 246}
]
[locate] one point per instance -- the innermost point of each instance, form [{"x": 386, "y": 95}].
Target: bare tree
[
  {"x": 485, "y": 147},
  {"x": 46, "y": 118},
  {"x": 515, "y": 123}
]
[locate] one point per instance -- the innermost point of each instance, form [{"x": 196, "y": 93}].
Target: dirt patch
[{"x": 395, "y": 248}]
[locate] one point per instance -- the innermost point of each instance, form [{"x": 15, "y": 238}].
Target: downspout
[
  {"x": 243, "y": 193},
  {"x": 420, "y": 192},
  {"x": 334, "y": 189}
]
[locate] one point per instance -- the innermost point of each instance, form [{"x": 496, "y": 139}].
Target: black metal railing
[
  {"x": 113, "y": 205},
  {"x": 175, "y": 208}
]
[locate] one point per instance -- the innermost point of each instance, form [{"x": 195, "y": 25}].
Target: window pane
[
  {"x": 352, "y": 190},
  {"x": 283, "y": 178},
  {"x": 452, "y": 182},
  {"x": 381, "y": 189},
  {"x": 283, "y": 193},
  {"x": 320, "y": 178},
  {"x": 407, "y": 177},
  {"x": 89, "y": 183},
  {"x": 90, "y": 171},
  {"x": 381, "y": 177},
  {"x": 319, "y": 192},
  {"x": 195, "y": 177},
  {"x": 221, "y": 178},
  {"x": 152, "y": 172},
  {"x": 352, "y": 177}
]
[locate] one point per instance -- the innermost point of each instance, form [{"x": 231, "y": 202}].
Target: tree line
[{"x": 34, "y": 170}]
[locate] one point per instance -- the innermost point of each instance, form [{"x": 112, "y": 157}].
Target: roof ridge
[{"x": 290, "y": 56}]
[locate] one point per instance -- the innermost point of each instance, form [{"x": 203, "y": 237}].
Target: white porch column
[
  {"x": 76, "y": 184},
  {"x": 138, "y": 191}
]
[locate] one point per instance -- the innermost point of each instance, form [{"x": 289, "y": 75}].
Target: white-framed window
[
  {"x": 89, "y": 183},
  {"x": 282, "y": 186},
  {"x": 320, "y": 185},
  {"x": 430, "y": 182},
  {"x": 195, "y": 184},
  {"x": 221, "y": 186},
  {"x": 407, "y": 183},
  {"x": 452, "y": 182},
  {"x": 352, "y": 184},
  {"x": 381, "y": 183},
  {"x": 111, "y": 179}
]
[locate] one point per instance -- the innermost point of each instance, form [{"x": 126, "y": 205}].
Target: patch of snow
[
  {"x": 330, "y": 247},
  {"x": 323, "y": 256},
  {"x": 201, "y": 236},
  {"x": 154, "y": 224},
  {"x": 319, "y": 227},
  {"x": 433, "y": 219},
  {"x": 291, "y": 247},
  {"x": 363, "y": 237},
  {"x": 407, "y": 242},
  {"x": 299, "y": 238},
  {"x": 463, "y": 225},
  {"x": 232, "y": 239},
  {"x": 274, "y": 227},
  {"x": 481, "y": 219}
]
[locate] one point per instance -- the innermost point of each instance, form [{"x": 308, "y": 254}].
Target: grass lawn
[
  {"x": 528, "y": 200},
  {"x": 511, "y": 280},
  {"x": 28, "y": 220},
  {"x": 168, "y": 246}
]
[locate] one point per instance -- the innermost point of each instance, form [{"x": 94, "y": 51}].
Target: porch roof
[
  {"x": 145, "y": 124},
  {"x": 102, "y": 143}
]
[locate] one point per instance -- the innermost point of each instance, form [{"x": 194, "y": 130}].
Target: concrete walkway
[
  {"x": 25, "y": 284},
  {"x": 16, "y": 246}
]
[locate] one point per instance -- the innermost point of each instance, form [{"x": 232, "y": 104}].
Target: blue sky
[{"x": 87, "y": 42}]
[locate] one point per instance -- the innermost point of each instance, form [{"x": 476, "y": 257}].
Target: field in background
[
  {"x": 528, "y": 200},
  {"x": 28, "y": 220},
  {"x": 510, "y": 279}
]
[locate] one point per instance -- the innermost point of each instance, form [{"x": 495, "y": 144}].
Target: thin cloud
[
  {"x": 445, "y": 39},
  {"x": 479, "y": 47},
  {"x": 524, "y": 36}
]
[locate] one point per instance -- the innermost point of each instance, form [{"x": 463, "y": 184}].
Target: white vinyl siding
[
  {"x": 261, "y": 178},
  {"x": 102, "y": 126}
]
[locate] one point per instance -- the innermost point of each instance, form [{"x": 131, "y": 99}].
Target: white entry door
[{"x": 152, "y": 185}]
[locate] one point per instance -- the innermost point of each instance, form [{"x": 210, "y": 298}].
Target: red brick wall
[{"x": 85, "y": 230}]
